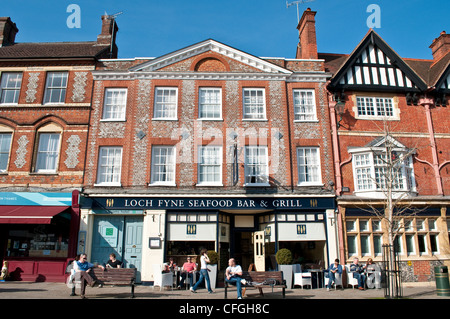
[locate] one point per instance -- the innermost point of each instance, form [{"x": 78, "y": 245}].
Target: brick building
[
  {"x": 45, "y": 100},
  {"x": 209, "y": 146},
  {"x": 389, "y": 122}
]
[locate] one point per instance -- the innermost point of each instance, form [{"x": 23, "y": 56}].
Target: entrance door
[
  {"x": 258, "y": 249},
  {"x": 121, "y": 235}
]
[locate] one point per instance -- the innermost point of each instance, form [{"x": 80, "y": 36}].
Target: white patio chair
[
  {"x": 337, "y": 281},
  {"x": 302, "y": 279},
  {"x": 350, "y": 280},
  {"x": 161, "y": 279}
]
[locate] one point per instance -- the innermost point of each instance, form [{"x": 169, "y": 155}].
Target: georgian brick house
[{"x": 209, "y": 146}]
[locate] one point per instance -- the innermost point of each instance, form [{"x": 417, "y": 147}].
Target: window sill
[
  {"x": 254, "y": 120},
  {"x": 209, "y": 185},
  {"x": 162, "y": 184},
  {"x": 164, "y": 119},
  {"x": 113, "y": 120},
  {"x": 306, "y": 121},
  {"x": 210, "y": 119},
  {"x": 310, "y": 184},
  {"x": 44, "y": 173},
  {"x": 256, "y": 185},
  {"x": 108, "y": 185}
]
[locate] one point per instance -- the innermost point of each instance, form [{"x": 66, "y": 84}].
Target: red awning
[{"x": 29, "y": 214}]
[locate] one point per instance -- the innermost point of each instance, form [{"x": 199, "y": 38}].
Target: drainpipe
[
  {"x": 427, "y": 103},
  {"x": 337, "y": 170},
  {"x": 334, "y": 133}
]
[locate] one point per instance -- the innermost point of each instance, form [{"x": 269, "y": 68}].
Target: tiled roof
[{"x": 53, "y": 50}]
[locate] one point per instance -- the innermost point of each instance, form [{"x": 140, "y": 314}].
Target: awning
[{"x": 29, "y": 214}]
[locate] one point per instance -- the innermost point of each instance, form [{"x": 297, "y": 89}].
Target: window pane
[
  {"x": 47, "y": 155},
  {"x": 163, "y": 164},
  {"x": 165, "y": 103},
  {"x": 434, "y": 244},
  {"x": 351, "y": 240},
  {"x": 10, "y": 87},
  {"x": 55, "y": 87},
  {"x": 115, "y": 104},
  {"x": 210, "y": 103},
  {"x": 308, "y": 165},
  {"x": 256, "y": 165},
  {"x": 304, "y": 105},
  {"x": 5, "y": 145},
  {"x": 410, "y": 245},
  {"x": 254, "y": 104},
  {"x": 365, "y": 246},
  {"x": 377, "y": 245},
  {"x": 209, "y": 165},
  {"x": 109, "y": 165},
  {"x": 421, "y": 239}
]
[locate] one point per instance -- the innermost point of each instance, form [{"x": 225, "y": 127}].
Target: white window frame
[
  {"x": 375, "y": 108},
  {"x": 202, "y": 164},
  {"x": 5, "y": 80},
  {"x": 50, "y": 89},
  {"x": 112, "y": 165},
  {"x": 169, "y": 163},
  {"x": 251, "y": 102},
  {"x": 116, "y": 109},
  {"x": 206, "y": 102},
  {"x": 365, "y": 167},
  {"x": 165, "y": 107},
  {"x": 305, "y": 109},
  {"x": 262, "y": 161},
  {"x": 44, "y": 153},
  {"x": 309, "y": 166},
  {"x": 5, "y": 149}
]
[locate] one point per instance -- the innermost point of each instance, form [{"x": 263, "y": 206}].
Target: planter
[
  {"x": 212, "y": 275},
  {"x": 288, "y": 272}
]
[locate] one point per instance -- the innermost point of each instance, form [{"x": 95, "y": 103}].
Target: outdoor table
[{"x": 318, "y": 274}]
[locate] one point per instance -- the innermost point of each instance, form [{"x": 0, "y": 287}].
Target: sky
[{"x": 264, "y": 28}]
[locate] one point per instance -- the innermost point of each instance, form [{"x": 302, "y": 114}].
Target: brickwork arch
[{"x": 210, "y": 63}]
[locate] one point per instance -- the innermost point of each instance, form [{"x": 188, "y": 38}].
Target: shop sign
[
  {"x": 130, "y": 203},
  {"x": 301, "y": 229},
  {"x": 35, "y": 199},
  {"x": 191, "y": 229}
]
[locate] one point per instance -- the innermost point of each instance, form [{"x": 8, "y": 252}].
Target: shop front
[
  {"x": 38, "y": 234},
  {"x": 250, "y": 229}
]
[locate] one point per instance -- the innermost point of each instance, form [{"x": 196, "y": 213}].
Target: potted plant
[
  {"x": 212, "y": 266},
  {"x": 284, "y": 261}
]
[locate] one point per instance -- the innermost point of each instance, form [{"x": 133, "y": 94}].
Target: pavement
[{"x": 47, "y": 290}]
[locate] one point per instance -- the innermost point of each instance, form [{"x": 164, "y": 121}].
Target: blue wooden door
[
  {"x": 132, "y": 251},
  {"x": 107, "y": 238},
  {"x": 121, "y": 235}
]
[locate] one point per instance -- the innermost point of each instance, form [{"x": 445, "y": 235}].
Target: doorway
[{"x": 121, "y": 235}]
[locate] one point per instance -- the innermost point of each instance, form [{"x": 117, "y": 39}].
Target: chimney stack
[
  {"x": 440, "y": 46},
  {"x": 307, "y": 45},
  {"x": 8, "y": 31},
  {"x": 108, "y": 34}
]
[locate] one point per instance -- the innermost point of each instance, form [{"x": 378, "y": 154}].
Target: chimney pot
[{"x": 440, "y": 46}]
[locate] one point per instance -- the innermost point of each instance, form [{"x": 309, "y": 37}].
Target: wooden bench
[
  {"x": 260, "y": 280},
  {"x": 116, "y": 277}
]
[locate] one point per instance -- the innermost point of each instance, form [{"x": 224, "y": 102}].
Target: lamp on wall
[{"x": 339, "y": 107}]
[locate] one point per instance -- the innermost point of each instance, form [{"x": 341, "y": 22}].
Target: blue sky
[{"x": 265, "y": 28}]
